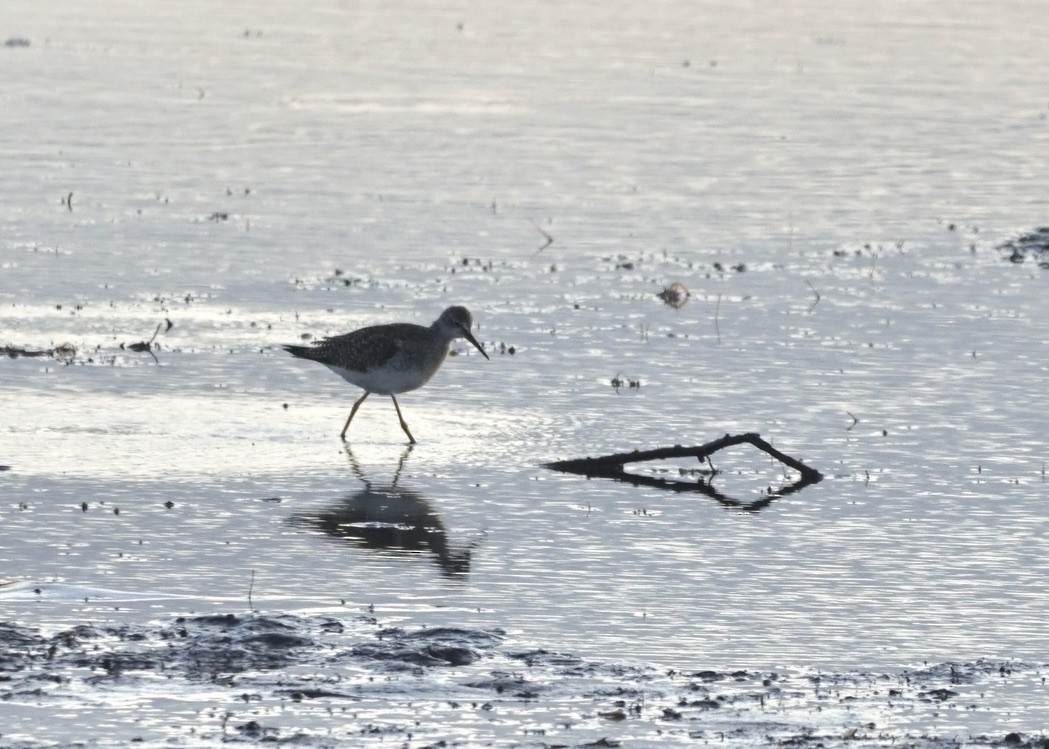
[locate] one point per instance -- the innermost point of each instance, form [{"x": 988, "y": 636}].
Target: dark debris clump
[{"x": 1033, "y": 246}]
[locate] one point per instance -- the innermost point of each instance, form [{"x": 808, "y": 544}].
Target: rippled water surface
[{"x": 830, "y": 184}]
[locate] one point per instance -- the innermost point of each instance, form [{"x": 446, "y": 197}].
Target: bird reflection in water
[{"x": 389, "y": 518}]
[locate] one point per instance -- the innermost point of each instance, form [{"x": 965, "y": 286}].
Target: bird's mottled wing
[{"x": 363, "y": 349}]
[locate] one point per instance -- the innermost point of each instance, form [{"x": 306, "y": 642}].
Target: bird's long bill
[{"x": 469, "y": 336}]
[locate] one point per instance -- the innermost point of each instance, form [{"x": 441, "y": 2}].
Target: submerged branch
[{"x": 611, "y": 466}]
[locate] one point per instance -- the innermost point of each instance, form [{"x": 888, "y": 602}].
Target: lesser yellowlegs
[{"x": 389, "y": 359}]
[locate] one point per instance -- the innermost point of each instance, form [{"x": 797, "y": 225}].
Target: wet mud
[{"x": 338, "y": 681}]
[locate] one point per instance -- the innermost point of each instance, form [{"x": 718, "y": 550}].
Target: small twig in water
[
  {"x": 814, "y": 292},
  {"x": 251, "y": 587},
  {"x": 855, "y": 421},
  {"x": 549, "y": 239},
  {"x": 717, "y": 311}
]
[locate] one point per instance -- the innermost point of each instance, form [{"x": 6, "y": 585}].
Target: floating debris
[
  {"x": 1033, "y": 245},
  {"x": 148, "y": 345},
  {"x": 620, "y": 381},
  {"x": 15, "y": 352},
  {"x": 64, "y": 353},
  {"x": 675, "y": 295},
  {"x": 738, "y": 267},
  {"x": 339, "y": 276}
]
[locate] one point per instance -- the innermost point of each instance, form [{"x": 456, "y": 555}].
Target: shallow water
[{"x": 829, "y": 184}]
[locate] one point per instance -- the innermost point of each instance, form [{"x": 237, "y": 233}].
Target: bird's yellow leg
[
  {"x": 352, "y": 412},
  {"x": 403, "y": 425}
]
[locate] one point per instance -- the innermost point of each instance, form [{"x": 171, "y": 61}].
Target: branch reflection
[
  {"x": 701, "y": 485},
  {"x": 706, "y": 487}
]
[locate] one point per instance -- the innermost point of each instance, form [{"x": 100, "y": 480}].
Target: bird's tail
[{"x": 302, "y": 352}]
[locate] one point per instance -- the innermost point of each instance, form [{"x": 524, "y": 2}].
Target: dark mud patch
[{"x": 324, "y": 681}]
